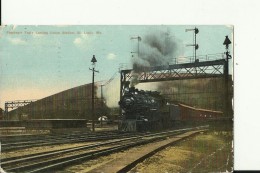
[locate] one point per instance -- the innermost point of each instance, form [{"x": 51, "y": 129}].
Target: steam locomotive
[
  {"x": 146, "y": 111},
  {"x": 150, "y": 111}
]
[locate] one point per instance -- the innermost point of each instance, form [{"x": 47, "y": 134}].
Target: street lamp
[
  {"x": 93, "y": 60},
  {"x": 227, "y": 42}
]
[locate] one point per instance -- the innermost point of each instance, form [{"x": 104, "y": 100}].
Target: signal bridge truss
[
  {"x": 16, "y": 104},
  {"x": 195, "y": 70}
]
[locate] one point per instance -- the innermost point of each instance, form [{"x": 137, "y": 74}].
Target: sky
[{"x": 38, "y": 61}]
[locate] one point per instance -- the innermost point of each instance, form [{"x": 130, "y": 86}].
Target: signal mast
[{"x": 195, "y": 45}]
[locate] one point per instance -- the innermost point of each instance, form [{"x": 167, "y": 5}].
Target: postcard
[{"x": 116, "y": 98}]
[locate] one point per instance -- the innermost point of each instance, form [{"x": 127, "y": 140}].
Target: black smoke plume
[{"x": 155, "y": 49}]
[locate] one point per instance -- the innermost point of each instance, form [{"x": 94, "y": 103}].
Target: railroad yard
[
  {"x": 197, "y": 149},
  {"x": 162, "y": 111}
]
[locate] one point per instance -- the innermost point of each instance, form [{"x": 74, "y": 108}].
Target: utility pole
[
  {"x": 102, "y": 105},
  {"x": 6, "y": 112},
  {"x": 93, "y": 88},
  {"x": 227, "y": 42}
]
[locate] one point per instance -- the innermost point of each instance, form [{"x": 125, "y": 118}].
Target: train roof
[{"x": 198, "y": 109}]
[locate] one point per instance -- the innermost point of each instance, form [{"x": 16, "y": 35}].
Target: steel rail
[
  {"x": 55, "y": 141},
  {"x": 71, "y": 159}
]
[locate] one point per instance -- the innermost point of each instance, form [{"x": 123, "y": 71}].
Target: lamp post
[
  {"x": 227, "y": 42},
  {"x": 93, "y": 87}
]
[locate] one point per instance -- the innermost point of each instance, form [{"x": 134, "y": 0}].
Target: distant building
[
  {"x": 74, "y": 103},
  {"x": 208, "y": 93}
]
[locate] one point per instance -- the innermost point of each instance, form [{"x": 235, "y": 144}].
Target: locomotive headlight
[{"x": 128, "y": 101}]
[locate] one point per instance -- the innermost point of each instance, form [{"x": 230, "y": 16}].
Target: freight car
[
  {"x": 149, "y": 111},
  {"x": 146, "y": 111}
]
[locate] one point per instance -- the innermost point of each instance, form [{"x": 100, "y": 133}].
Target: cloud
[
  {"x": 82, "y": 40},
  {"x": 17, "y": 41},
  {"x": 78, "y": 41},
  {"x": 111, "y": 56}
]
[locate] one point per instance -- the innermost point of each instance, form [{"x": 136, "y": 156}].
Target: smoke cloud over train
[{"x": 155, "y": 49}]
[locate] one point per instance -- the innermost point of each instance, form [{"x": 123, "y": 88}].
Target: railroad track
[
  {"x": 55, "y": 140},
  {"x": 54, "y": 160},
  {"x": 23, "y": 138}
]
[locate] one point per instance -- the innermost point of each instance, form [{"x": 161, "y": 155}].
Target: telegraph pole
[
  {"x": 102, "y": 106},
  {"x": 93, "y": 88},
  {"x": 227, "y": 42}
]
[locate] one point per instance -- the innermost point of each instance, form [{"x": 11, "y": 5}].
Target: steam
[
  {"x": 111, "y": 93},
  {"x": 156, "y": 49},
  {"x": 148, "y": 86}
]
